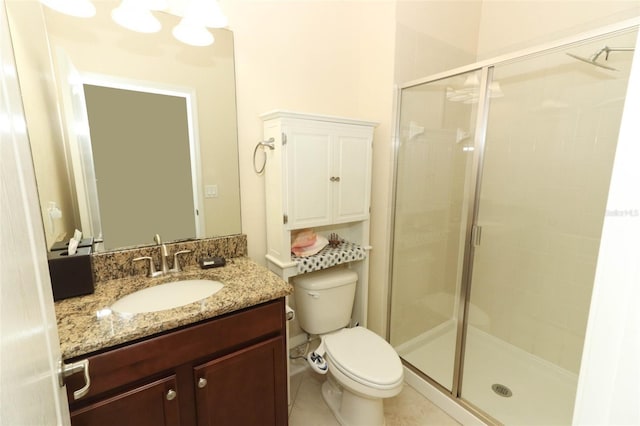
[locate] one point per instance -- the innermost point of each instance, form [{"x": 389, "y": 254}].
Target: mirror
[{"x": 102, "y": 50}]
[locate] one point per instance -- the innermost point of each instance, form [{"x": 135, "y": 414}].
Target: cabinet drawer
[{"x": 118, "y": 367}]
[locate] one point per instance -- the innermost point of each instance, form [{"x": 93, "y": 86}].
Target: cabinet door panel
[
  {"x": 309, "y": 171},
  {"x": 247, "y": 387},
  {"x": 352, "y": 192},
  {"x": 143, "y": 406}
]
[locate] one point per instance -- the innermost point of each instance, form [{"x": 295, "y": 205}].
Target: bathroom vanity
[{"x": 218, "y": 361}]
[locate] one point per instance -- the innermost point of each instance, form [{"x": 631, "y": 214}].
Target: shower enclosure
[{"x": 502, "y": 179}]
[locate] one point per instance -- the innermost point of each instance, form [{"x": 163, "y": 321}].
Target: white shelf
[{"x": 329, "y": 256}]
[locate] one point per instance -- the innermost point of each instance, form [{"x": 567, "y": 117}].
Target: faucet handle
[
  {"x": 152, "y": 266},
  {"x": 176, "y": 262}
]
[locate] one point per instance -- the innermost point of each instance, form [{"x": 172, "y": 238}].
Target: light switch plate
[{"x": 211, "y": 191}]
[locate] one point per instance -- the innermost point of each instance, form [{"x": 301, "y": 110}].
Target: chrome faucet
[{"x": 164, "y": 266}]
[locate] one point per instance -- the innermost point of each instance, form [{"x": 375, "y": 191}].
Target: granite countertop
[{"x": 86, "y": 324}]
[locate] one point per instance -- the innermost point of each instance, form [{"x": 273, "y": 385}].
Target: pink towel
[
  {"x": 320, "y": 243},
  {"x": 303, "y": 238}
]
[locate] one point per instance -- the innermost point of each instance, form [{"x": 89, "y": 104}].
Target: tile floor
[{"x": 409, "y": 408}]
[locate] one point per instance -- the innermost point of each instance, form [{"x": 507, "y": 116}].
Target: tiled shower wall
[{"x": 545, "y": 183}]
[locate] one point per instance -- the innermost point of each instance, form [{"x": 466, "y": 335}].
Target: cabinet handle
[
  {"x": 66, "y": 370},
  {"x": 202, "y": 382},
  {"x": 171, "y": 395}
]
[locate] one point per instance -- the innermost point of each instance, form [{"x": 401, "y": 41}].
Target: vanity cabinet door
[
  {"x": 247, "y": 387},
  {"x": 153, "y": 404}
]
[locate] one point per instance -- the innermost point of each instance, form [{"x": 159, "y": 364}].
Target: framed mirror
[{"x": 99, "y": 48}]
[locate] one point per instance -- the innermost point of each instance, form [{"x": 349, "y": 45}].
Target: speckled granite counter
[{"x": 85, "y": 324}]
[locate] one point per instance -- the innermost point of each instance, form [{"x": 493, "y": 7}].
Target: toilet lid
[{"x": 365, "y": 357}]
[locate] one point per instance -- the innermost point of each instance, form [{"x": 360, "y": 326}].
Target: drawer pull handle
[
  {"x": 66, "y": 370},
  {"x": 202, "y": 382},
  {"x": 171, "y": 395}
]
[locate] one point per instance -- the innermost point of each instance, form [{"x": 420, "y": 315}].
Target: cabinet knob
[
  {"x": 171, "y": 395},
  {"x": 334, "y": 178},
  {"x": 337, "y": 178},
  {"x": 202, "y": 382}
]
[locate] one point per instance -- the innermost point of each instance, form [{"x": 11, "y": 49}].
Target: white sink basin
[{"x": 166, "y": 296}]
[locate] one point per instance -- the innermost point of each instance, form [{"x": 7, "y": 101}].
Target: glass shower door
[
  {"x": 433, "y": 185},
  {"x": 547, "y": 163}
]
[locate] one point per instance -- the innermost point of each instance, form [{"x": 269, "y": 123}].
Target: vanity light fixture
[
  {"x": 192, "y": 32},
  {"x": 197, "y": 17},
  {"x": 78, "y": 8},
  {"x": 135, "y": 15}
]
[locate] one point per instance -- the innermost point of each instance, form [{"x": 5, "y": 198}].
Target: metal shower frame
[{"x": 486, "y": 69}]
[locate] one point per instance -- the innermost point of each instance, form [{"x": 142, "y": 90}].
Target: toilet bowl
[{"x": 362, "y": 367}]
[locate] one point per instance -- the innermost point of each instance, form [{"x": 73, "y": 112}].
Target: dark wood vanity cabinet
[
  {"x": 146, "y": 405},
  {"x": 230, "y": 370},
  {"x": 253, "y": 373}
]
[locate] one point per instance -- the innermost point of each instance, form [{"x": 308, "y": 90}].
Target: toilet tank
[{"x": 324, "y": 299}]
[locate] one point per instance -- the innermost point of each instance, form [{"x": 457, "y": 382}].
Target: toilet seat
[{"x": 365, "y": 357}]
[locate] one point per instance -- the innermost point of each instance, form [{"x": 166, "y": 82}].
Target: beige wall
[
  {"x": 435, "y": 36},
  {"x": 40, "y": 103},
  {"x": 509, "y": 25},
  {"x": 332, "y": 58}
]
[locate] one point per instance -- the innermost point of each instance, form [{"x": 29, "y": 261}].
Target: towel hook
[{"x": 269, "y": 143}]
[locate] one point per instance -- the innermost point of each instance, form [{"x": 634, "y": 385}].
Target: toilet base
[{"x": 351, "y": 409}]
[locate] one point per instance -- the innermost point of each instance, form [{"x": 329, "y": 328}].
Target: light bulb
[
  {"x": 134, "y": 16},
  {"x": 192, "y": 33}
]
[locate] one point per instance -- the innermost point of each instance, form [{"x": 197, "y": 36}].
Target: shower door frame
[{"x": 471, "y": 232}]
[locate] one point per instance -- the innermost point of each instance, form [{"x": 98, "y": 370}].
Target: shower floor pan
[{"x": 541, "y": 392}]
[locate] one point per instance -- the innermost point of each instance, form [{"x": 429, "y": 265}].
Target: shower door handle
[{"x": 476, "y": 235}]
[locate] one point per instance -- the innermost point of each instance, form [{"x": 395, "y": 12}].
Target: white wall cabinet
[
  {"x": 327, "y": 174},
  {"x": 319, "y": 176}
]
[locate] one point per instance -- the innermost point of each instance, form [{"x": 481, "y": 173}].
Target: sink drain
[{"x": 501, "y": 390}]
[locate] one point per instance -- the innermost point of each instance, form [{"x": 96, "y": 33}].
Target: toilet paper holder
[{"x": 289, "y": 313}]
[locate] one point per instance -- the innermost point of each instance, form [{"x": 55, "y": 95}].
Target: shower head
[
  {"x": 592, "y": 62},
  {"x": 606, "y": 50}
]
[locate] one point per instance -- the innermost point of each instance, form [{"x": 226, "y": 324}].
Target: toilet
[{"x": 362, "y": 367}]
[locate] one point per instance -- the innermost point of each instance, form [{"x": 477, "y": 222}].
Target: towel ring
[{"x": 269, "y": 143}]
